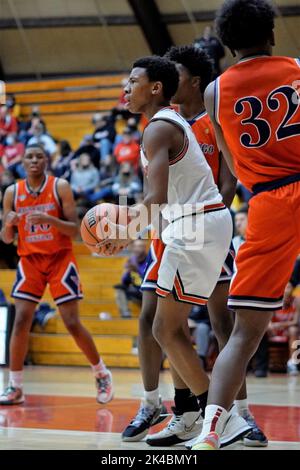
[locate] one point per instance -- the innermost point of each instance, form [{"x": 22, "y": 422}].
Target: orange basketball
[{"x": 94, "y": 227}]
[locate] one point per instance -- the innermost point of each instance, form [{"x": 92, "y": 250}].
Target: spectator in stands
[
  {"x": 87, "y": 145},
  {"x": 11, "y": 156},
  {"x": 285, "y": 327},
  {"x": 240, "y": 222},
  {"x": 213, "y": 47},
  {"x": 104, "y": 135},
  {"x": 129, "y": 289},
  {"x": 293, "y": 282},
  {"x": 127, "y": 184},
  {"x": 132, "y": 125},
  {"x": 61, "y": 165},
  {"x": 8, "y": 123},
  {"x": 40, "y": 137},
  {"x": 128, "y": 150},
  {"x": 85, "y": 178},
  {"x": 13, "y": 107}
]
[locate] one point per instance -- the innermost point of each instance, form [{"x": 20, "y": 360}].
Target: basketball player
[
  {"x": 177, "y": 174},
  {"x": 255, "y": 111},
  {"x": 195, "y": 72},
  {"x": 42, "y": 209}
]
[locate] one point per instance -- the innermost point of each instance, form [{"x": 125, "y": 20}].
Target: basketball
[{"x": 94, "y": 227}]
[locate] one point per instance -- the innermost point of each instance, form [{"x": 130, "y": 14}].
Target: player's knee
[
  {"x": 163, "y": 332},
  {"x": 22, "y": 322},
  {"x": 222, "y": 330},
  {"x": 146, "y": 321},
  {"x": 73, "y": 325}
]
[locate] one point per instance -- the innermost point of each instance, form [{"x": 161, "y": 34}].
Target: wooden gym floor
[{"x": 60, "y": 411}]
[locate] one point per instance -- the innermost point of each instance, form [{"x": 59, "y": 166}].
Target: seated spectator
[
  {"x": 14, "y": 108},
  {"x": 104, "y": 135},
  {"x": 85, "y": 178},
  {"x": 285, "y": 327},
  {"x": 129, "y": 289},
  {"x": 126, "y": 184},
  {"x": 61, "y": 166},
  {"x": 128, "y": 150},
  {"x": 8, "y": 123},
  {"x": 133, "y": 126},
  {"x": 11, "y": 156},
  {"x": 240, "y": 223},
  {"x": 40, "y": 137},
  {"x": 87, "y": 145}
]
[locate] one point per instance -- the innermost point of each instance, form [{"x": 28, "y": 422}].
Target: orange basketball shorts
[
  {"x": 60, "y": 271},
  {"x": 265, "y": 262}
]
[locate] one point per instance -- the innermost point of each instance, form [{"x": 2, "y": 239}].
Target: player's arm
[
  {"x": 10, "y": 217},
  {"x": 69, "y": 225},
  {"x": 209, "y": 100},
  {"x": 226, "y": 183},
  {"x": 157, "y": 142}
]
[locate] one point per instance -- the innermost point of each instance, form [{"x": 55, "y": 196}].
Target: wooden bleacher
[
  {"x": 67, "y": 105},
  {"x": 114, "y": 337}
]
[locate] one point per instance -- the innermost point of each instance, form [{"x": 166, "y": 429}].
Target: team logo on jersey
[{"x": 22, "y": 197}]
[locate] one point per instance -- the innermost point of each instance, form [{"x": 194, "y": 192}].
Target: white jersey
[{"x": 191, "y": 186}]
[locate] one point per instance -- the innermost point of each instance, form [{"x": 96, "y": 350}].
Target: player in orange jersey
[
  {"x": 255, "y": 110},
  {"x": 43, "y": 211}
]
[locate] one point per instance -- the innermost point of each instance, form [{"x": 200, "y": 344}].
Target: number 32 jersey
[
  {"x": 41, "y": 238},
  {"x": 258, "y": 108}
]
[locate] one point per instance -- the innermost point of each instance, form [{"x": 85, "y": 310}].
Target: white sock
[
  {"x": 99, "y": 369},
  {"x": 215, "y": 419},
  {"x": 152, "y": 397},
  {"x": 242, "y": 407},
  {"x": 16, "y": 378}
]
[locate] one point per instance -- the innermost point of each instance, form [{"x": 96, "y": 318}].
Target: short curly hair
[
  {"x": 242, "y": 24},
  {"x": 195, "y": 60},
  {"x": 162, "y": 70}
]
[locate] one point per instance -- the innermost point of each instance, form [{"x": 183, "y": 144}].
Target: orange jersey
[
  {"x": 257, "y": 107},
  {"x": 205, "y": 135},
  {"x": 43, "y": 238}
]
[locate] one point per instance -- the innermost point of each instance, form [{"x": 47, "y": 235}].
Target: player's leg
[
  {"x": 264, "y": 264},
  {"x": 222, "y": 320},
  {"x": 169, "y": 330},
  {"x": 230, "y": 368},
  {"x": 152, "y": 410},
  {"x": 186, "y": 422},
  {"x": 18, "y": 347},
  {"x": 70, "y": 314}
]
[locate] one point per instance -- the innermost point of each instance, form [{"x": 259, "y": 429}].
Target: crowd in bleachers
[{"x": 103, "y": 167}]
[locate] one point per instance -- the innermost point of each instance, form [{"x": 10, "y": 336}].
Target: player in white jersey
[{"x": 198, "y": 225}]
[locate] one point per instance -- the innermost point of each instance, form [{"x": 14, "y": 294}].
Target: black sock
[
  {"x": 202, "y": 400},
  {"x": 185, "y": 401}
]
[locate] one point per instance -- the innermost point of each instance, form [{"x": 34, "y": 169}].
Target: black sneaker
[
  {"x": 146, "y": 417},
  {"x": 255, "y": 437}
]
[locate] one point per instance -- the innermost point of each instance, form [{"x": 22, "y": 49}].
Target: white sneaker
[
  {"x": 180, "y": 428},
  {"x": 292, "y": 368},
  {"x": 104, "y": 387},
  {"x": 235, "y": 428}
]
